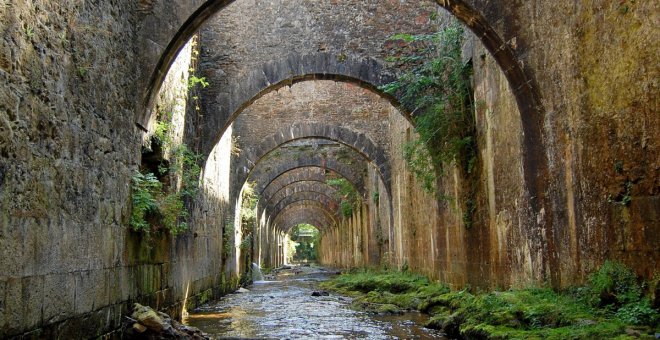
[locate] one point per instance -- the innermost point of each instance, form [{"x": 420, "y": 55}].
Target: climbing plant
[
  {"x": 248, "y": 213},
  {"x": 158, "y": 197},
  {"x": 348, "y": 197},
  {"x": 248, "y": 205},
  {"x": 161, "y": 207},
  {"x": 437, "y": 90},
  {"x": 227, "y": 239}
]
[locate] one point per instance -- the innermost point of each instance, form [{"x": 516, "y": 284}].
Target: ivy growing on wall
[
  {"x": 348, "y": 197},
  {"x": 157, "y": 206},
  {"x": 159, "y": 195},
  {"x": 248, "y": 213},
  {"x": 437, "y": 90}
]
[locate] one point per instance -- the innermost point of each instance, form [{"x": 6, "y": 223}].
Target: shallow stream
[{"x": 284, "y": 308}]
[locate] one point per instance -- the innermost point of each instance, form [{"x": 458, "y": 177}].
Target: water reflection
[{"x": 285, "y": 309}]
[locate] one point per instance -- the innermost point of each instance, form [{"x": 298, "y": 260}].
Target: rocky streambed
[{"x": 289, "y": 304}]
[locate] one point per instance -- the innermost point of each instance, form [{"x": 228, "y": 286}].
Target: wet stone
[{"x": 290, "y": 308}]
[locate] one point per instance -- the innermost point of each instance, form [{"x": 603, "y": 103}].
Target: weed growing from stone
[
  {"x": 157, "y": 206},
  {"x": 348, "y": 197},
  {"x": 437, "y": 91}
]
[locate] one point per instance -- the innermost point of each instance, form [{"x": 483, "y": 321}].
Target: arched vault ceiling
[
  {"x": 360, "y": 143},
  {"x": 301, "y": 186},
  {"x": 327, "y": 56},
  {"x": 341, "y": 160},
  {"x": 329, "y": 202},
  {"x": 309, "y": 207},
  {"x": 305, "y": 218},
  {"x": 317, "y": 174},
  {"x": 301, "y": 220}
]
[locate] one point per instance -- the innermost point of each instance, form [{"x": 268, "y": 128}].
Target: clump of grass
[{"x": 611, "y": 305}]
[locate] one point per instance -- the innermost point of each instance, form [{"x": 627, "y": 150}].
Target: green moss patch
[{"x": 612, "y": 305}]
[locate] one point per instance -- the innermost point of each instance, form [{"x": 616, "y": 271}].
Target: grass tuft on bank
[{"x": 611, "y": 305}]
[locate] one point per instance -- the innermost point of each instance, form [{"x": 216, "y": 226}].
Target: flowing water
[
  {"x": 257, "y": 276},
  {"x": 284, "y": 308}
]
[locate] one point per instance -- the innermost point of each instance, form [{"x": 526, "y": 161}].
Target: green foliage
[
  {"x": 161, "y": 130},
  {"x": 614, "y": 284},
  {"x": 306, "y": 246},
  {"x": 531, "y": 313},
  {"x": 246, "y": 243},
  {"x": 365, "y": 281},
  {"x": 29, "y": 32},
  {"x": 153, "y": 208},
  {"x": 185, "y": 164},
  {"x": 624, "y": 198},
  {"x": 249, "y": 204},
  {"x": 616, "y": 288},
  {"x": 248, "y": 215},
  {"x": 638, "y": 313},
  {"x": 146, "y": 189},
  {"x": 160, "y": 207},
  {"x": 348, "y": 197},
  {"x": 437, "y": 89},
  {"x": 82, "y": 71},
  {"x": 194, "y": 80},
  {"x": 227, "y": 239}
]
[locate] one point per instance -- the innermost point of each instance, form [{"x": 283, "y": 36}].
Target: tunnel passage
[
  {"x": 359, "y": 142},
  {"x": 509, "y": 46},
  {"x": 566, "y": 128},
  {"x": 301, "y": 187},
  {"x": 351, "y": 166}
]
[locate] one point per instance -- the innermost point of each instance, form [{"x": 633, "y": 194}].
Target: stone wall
[
  {"x": 296, "y": 39},
  {"x": 68, "y": 148},
  {"x": 567, "y": 125},
  {"x": 70, "y": 267}
]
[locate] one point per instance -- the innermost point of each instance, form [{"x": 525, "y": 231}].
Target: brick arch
[
  {"x": 280, "y": 217},
  {"x": 357, "y": 141}
]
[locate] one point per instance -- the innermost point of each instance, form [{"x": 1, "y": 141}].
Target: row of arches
[{"x": 225, "y": 113}]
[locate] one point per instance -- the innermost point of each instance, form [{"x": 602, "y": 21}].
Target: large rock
[
  {"x": 150, "y": 324},
  {"x": 147, "y": 317}
]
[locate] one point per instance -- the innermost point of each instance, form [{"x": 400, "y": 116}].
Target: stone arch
[
  {"x": 357, "y": 141},
  {"x": 306, "y": 217},
  {"x": 264, "y": 179},
  {"x": 328, "y": 201},
  {"x": 301, "y": 186},
  {"x": 296, "y": 207},
  {"x": 316, "y": 174},
  {"x": 294, "y": 68},
  {"x": 478, "y": 16},
  {"x": 188, "y": 17}
]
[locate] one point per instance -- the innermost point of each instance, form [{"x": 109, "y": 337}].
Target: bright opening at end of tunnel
[{"x": 303, "y": 244}]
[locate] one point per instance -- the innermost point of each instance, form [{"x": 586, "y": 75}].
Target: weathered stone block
[
  {"x": 32, "y": 299},
  {"x": 85, "y": 290},
  {"x": 59, "y": 297}
]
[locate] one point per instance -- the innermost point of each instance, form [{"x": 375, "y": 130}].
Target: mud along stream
[{"x": 283, "y": 307}]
